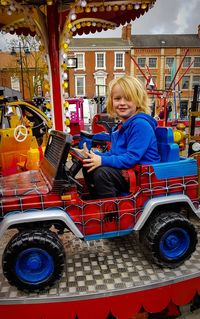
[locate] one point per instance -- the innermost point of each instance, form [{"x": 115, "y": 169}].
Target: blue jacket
[{"x": 134, "y": 143}]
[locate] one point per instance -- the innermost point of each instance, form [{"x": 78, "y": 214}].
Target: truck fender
[
  {"x": 31, "y": 216},
  {"x": 163, "y": 200}
]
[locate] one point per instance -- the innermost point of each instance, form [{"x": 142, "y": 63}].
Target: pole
[{"x": 21, "y": 67}]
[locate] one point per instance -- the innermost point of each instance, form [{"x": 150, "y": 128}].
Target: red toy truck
[{"x": 41, "y": 204}]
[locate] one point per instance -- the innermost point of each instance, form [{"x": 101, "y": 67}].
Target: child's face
[{"x": 122, "y": 107}]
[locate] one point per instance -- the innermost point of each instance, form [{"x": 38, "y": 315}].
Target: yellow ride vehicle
[{"x": 23, "y": 133}]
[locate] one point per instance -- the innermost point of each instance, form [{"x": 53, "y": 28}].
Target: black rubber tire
[
  {"x": 44, "y": 240},
  {"x": 153, "y": 232}
]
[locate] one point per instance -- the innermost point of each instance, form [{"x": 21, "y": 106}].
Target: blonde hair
[{"x": 133, "y": 89}]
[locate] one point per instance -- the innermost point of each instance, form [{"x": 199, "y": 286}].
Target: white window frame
[
  {"x": 145, "y": 59},
  {"x": 123, "y": 60},
  {"x": 196, "y": 57},
  {"x": 103, "y": 88},
  {"x": 167, "y": 82},
  {"x": 195, "y": 82},
  {"x": 186, "y": 62},
  {"x": 78, "y": 76},
  {"x": 166, "y": 64},
  {"x": 104, "y": 61},
  {"x": 185, "y": 76},
  {"x": 119, "y": 75},
  {"x": 152, "y": 67},
  {"x": 83, "y": 57}
]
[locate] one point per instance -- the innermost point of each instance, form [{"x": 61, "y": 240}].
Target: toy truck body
[{"x": 41, "y": 204}]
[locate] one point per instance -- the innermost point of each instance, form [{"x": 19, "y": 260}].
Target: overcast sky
[{"x": 167, "y": 16}]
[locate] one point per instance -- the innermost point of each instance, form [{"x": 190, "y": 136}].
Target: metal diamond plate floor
[{"x": 99, "y": 268}]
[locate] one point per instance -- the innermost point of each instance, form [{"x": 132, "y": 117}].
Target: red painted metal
[
  {"x": 53, "y": 36},
  {"x": 122, "y": 306}
]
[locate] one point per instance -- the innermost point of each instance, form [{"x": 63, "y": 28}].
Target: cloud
[{"x": 185, "y": 15}]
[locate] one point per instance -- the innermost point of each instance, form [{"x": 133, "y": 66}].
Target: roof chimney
[
  {"x": 198, "y": 31},
  {"x": 126, "y": 32}
]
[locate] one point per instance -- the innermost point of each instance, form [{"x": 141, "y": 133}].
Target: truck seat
[{"x": 168, "y": 150}]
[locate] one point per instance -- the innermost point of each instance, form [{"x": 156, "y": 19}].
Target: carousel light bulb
[
  {"x": 68, "y": 130},
  {"x": 12, "y": 7},
  {"x": 87, "y": 9},
  {"x": 137, "y": 6},
  {"x": 123, "y": 7},
  {"x": 130, "y": 6},
  {"x": 83, "y": 3},
  {"x": 115, "y": 8},
  {"x": 67, "y": 114},
  {"x": 65, "y": 85},
  {"x": 4, "y": 2},
  {"x": 94, "y": 9},
  {"x": 64, "y": 55},
  {"x": 108, "y": 8},
  {"x": 73, "y": 29},
  {"x": 94, "y": 24},
  {"x": 73, "y": 16},
  {"x": 65, "y": 76},
  {"x": 66, "y": 104},
  {"x": 143, "y": 6},
  {"x": 9, "y": 12}
]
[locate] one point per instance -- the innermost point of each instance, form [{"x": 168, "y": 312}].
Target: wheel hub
[
  {"x": 34, "y": 262},
  {"x": 172, "y": 241}
]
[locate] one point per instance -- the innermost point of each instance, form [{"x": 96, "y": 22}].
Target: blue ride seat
[
  {"x": 168, "y": 150},
  {"x": 171, "y": 164}
]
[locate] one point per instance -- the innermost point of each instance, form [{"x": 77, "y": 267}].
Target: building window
[
  {"x": 152, "y": 62},
  {"x": 167, "y": 81},
  {"x": 142, "y": 62},
  {"x": 80, "y": 85},
  {"x": 15, "y": 84},
  {"x": 80, "y": 61},
  {"x": 195, "y": 80},
  {"x": 184, "y": 109},
  {"x": 169, "y": 62},
  {"x": 100, "y": 60},
  {"x": 186, "y": 61},
  {"x": 185, "y": 82},
  {"x": 100, "y": 86},
  {"x": 118, "y": 75},
  {"x": 196, "y": 62},
  {"x": 119, "y": 60}
]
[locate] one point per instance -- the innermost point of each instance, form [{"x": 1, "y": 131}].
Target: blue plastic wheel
[
  {"x": 174, "y": 243},
  {"x": 34, "y": 265},
  {"x": 169, "y": 238},
  {"x": 34, "y": 260}
]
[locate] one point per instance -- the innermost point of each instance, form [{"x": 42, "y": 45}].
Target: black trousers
[{"x": 105, "y": 182}]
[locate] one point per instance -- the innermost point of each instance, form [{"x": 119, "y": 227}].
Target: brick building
[{"x": 100, "y": 60}]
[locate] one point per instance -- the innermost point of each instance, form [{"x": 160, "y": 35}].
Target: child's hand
[
  {"x": 83, "y": 151},
  {"x": 93, "y": 161}
]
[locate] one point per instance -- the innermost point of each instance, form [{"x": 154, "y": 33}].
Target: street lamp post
[{"x": 26, "y": 51}]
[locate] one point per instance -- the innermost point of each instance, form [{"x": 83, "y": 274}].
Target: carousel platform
[{"x": 104, "y": 279}]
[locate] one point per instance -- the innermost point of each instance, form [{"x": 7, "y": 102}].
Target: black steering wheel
[{"x": 77, "y": 165}]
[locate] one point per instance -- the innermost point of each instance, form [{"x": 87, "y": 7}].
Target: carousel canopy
[{"x": 74, "y": 17}]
